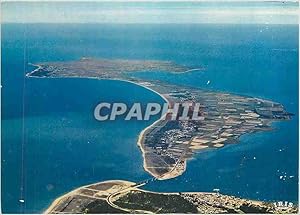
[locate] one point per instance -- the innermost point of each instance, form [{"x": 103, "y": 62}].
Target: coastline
[
  {"x": 33, "y": 71},
  {"x": 60, "y": 198},
  {"x": 142, "y": 133},
  {"x": 119, "y": 196},
  {"x": 141, "y": 136}
]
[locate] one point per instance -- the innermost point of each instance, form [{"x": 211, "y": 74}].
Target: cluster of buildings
[
  {"x": 225, "y": 118},
  {"x": 213, "y": 203}
]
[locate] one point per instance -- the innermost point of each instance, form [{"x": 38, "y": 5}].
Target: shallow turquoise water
[{"x": 64, "y": 147}]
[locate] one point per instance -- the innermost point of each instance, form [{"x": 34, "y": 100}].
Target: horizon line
[
  {"x": 152, "y": 1},
  {"x": 150, "y": 23}
]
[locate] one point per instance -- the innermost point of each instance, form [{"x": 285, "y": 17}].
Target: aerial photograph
[{"x": 149, "y": 106}]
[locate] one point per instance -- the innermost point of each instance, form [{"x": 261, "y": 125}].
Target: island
[{"x": 167, "y": 144}]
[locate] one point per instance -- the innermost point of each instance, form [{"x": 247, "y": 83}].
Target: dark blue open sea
[{"x": 51, "y": 143}]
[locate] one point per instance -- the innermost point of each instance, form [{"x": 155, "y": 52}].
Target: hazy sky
[{"x": 151, "y": 12}]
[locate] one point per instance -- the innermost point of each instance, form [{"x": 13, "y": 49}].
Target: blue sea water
[{"x": 51, "y": 143}]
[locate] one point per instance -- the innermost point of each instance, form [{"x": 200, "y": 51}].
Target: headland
[{"x": 126, "y": 197}]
